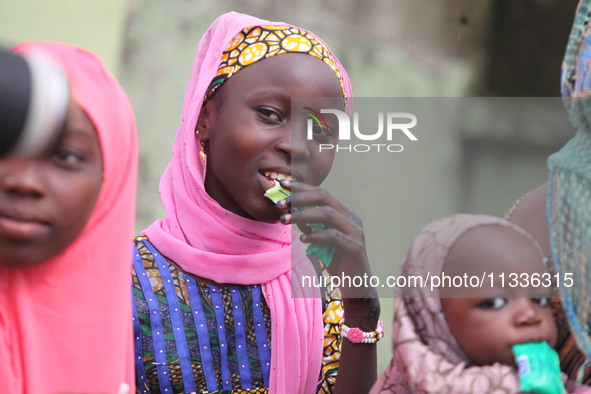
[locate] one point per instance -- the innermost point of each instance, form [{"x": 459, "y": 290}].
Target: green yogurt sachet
[
  {"x": 538, "y": 368},
  {"x": 323, "y": 252},
  {"x": 277, "y": 193}
]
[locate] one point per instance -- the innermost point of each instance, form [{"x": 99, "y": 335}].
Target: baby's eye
[
  {"x": 492, "y": 303},
  {"x": 541, "y": 301}
]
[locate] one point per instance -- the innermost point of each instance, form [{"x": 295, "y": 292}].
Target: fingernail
[
  {"x": 285, "y": 219},
  {"x": 284, "y": 182},
  {"x": 281, "y": 204}
]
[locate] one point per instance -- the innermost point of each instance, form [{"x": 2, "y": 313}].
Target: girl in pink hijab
[
  {"x": 66, "y": 219},
  {"x": 220, "y": 303}
]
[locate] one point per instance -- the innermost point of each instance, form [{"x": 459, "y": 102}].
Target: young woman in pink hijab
[
  {"x": 66, "y": 219},
  {"x": 219, "y": 299}
]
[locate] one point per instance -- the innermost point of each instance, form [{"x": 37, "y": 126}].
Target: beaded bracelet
[{"x": 355, "y": 335}]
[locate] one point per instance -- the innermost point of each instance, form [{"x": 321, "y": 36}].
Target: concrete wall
[{"x": 97, "y": 25}]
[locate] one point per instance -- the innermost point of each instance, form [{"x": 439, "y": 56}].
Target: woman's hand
[{"x": 341, "y": 229}]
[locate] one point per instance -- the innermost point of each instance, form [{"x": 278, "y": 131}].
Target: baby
[{"x": 459, "y": 336}]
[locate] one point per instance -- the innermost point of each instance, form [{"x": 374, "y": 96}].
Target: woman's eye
[
  {"x": 320, "y": 129},
  {"x": 68, "y": 156},
  {"x": 269, "y": 115},
  {"x": 541, "y": 301},
  {"x": 492, "y": 303},
  {"x": 321, "y": 132}
]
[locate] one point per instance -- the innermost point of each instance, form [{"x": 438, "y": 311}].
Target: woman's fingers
[
  {"x": 305, "y": 195},
  {"x": 311, "y": 205},
  {"x": 330, "y": 218},
  {"x": 323, "y": 220},
  {"x": 336, "y": 239}
]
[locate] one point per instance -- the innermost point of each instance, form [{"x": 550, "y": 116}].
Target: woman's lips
[{"x": 22, "y": 230}]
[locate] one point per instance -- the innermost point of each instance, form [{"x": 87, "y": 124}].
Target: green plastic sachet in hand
[
  {"x": 322, "y": 252},
  {"x": 538, "y": 368},
  {"x": 277, "y": 193}
]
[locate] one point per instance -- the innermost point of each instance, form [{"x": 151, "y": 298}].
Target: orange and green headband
[{"x": 260, "y": 42}]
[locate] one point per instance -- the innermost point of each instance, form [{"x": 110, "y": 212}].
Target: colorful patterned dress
[{"x": 193, "y": 337}]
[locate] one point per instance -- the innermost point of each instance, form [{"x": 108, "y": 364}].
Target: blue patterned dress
[{"x": 195, "y": 337}]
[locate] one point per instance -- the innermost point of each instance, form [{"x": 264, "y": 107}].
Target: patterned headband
[
  {"x": 260, "y": 42},
  {"x": 575, "y": 67}
]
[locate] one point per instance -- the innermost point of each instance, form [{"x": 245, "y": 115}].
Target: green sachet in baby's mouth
[
  {"x": 323, "y": 252},
  {"x": 538, "y": 368}
]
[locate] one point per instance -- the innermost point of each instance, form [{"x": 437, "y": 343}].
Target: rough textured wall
[
  {"x": 97, "y": 25},
  {"x": 525, "y": 46}
]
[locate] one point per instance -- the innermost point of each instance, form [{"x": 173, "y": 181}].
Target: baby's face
[
  {"x": 46, "y": 201},
  {"x": 495, "y": 318},
  {"x": 487, "y": 328}
]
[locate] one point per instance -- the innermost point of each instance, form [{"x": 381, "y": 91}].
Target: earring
[{"x": 202, "y": 154}]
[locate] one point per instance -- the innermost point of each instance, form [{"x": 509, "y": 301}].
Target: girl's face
[
  {"x": 253, "y": 134},
  {"x": 487, "y": 325},
  {"x": 46, "y": 201}
]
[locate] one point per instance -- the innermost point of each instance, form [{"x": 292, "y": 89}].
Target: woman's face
[
  {"x": 46, "y": 201},
  {"x": 494, "y": 318},
  {"x": 254, "y": 134}
]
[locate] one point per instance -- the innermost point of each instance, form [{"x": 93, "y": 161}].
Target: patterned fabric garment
[
  {"x": 569, "y": 184},
  {"x": 193, "y": 337},
  {"x": 571, "y": 358},
  {"x": 255, "y": 43}
]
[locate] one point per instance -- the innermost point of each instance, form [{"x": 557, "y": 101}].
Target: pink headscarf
[
  {"x": 427, "y": 357},
  {"x": 65, "y": 325},
  {"x": 213, "y": 243}
]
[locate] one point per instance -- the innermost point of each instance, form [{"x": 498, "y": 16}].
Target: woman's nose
[
  {"x": 20, "y": 177},
  {"x": 295, "y": 145},
  {"x": 527, "y": 313}
]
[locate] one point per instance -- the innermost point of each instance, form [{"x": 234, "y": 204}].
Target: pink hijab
[
  {"x": 65, "y": 325},
  {"x": 213, "y": 243}
]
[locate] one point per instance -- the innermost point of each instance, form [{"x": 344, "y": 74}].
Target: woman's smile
[{"x": 271, "y": 177}]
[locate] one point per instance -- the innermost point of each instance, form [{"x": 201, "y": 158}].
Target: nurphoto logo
[{"x": 391, "y": 126}]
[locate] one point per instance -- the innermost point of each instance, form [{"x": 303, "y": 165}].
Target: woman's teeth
[{"x": 276, "y": 176}]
